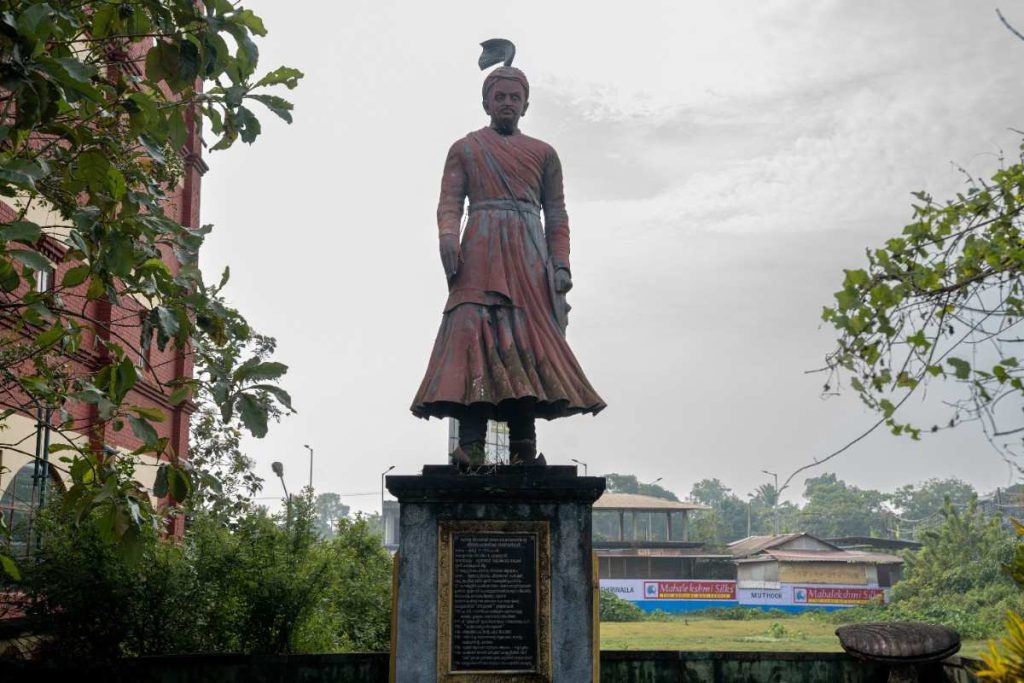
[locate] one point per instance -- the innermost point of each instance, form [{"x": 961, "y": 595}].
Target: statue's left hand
[
  {"x": 450, "y": 255},
  {"x": 563, "y": 281}
]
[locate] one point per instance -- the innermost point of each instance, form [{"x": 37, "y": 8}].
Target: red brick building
[{"x": 23, "y": 481}]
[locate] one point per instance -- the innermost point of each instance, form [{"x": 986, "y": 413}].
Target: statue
[{"x": 501, "y": 352}]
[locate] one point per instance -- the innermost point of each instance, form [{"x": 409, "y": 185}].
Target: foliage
[
  {"x": 614, "y": 608},
  {"x": 628, "y": 483},
  {"x": 726, "y": 521},
  {"x": 97, "y": 102},
  {"x": 1004, "y": 659},
  {"x": 955, "y": 579},
  {"x": 260, "y": 587},
  {"x": 921, "y": 507},
  {"x": 222, "y": 475},
  {"x": 941, "y": 302},
  {"x": 835, "y": 509},
  {"x": 330, "y": 512}
]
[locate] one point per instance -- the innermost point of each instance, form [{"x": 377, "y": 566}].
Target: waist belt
[{"x": 504, "y": 205}]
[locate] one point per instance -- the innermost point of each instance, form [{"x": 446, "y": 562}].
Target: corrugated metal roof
[
  {"x": 751, "y": 545},
  {"x": 846, "y": 556},
  {"x": 660, "y": 552},
  {"x": 634, "y": 501}
]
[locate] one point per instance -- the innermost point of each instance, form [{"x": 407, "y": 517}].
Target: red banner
[{"x": 689, "y": 590}]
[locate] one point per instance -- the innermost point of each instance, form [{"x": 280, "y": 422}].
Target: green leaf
[
  {"x": 21, "y": 173},
  {"x": 284, "y": 75},
  {"x": 167, "y": 321},
  {"x": 20, "y": 231},
  {"x": 247, "y": 18},
  {"x": 277, "y": 105},
  {"x": 50, "y": 336},
  {"x": 179, "y": 395},
  {"x": 77, "y": 70},
  {"x": 179, "y": 485},
  {"x": 256, "y": 370},
  {"x": 154, "y": 414},
  {"x": 162, "y": 62},
  {"x": 143, "y": 430},
  {"x": 32, "y": 259},
  {"x": 282, "y": 396},
  {"x": 9, "y": 567},
  {"x": 9, "y": 278},
  {"x": 92, "y": 169},
  {"x": 960, "y": 366},
  {"x": 160, "y": 484},
  {"x": 254, "y": 415},
  {"x": 75, "y": 276}
]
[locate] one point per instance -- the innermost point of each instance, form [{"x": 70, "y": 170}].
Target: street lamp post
[
  {"x": 775, "y": 502},
  {"x": 580, "y": 462},
  {"x": 279, "y": 471},
  {"x": 383, "y": 522},
  {"x": 309, "y": 448}
]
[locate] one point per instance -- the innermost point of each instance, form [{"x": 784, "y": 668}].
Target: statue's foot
[
  {"x": 459, "y": 458},
  {"x": 536, "y": 461}
]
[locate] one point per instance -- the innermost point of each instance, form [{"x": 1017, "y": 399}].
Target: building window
[
  {"x": 19, "y": 505},
  {"x": 44, "y": 280}
]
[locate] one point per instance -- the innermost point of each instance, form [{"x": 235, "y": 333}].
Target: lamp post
[
  {"x": 580, "y": 462},
  {"x": 655, "y": 481},
  {"x": 775, "y": 502},
  {"x": 383, "y": 522},
  {"x": 279, "y": 471},
  {"x": 310, "y": 449}
]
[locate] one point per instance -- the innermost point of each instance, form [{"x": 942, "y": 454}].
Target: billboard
[
  {"x": 689, "y": 590},
  {"x": 689, "y": 594},
  {"x": 636, "y": 590}
]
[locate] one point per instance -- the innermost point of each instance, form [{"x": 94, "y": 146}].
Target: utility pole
[
  {"x": 383, "y": 521},
  {"x": 775, "y": 502},
  {"x": 310, "y": 465}
]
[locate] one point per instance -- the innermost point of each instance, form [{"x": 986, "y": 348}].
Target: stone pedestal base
[{"x": 495, "y": 576}]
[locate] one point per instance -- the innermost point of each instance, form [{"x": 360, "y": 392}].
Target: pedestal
[{"x": 495, "y": 576}]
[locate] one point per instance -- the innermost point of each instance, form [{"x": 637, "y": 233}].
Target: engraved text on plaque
[{"x": 494, "y": 602}]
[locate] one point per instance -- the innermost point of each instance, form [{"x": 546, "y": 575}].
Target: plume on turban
[{"x": 509, "y": 73}]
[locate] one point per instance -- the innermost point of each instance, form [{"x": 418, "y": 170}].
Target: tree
[
  {"x": 329, "y": 511},
  {"x": 921, "y": 507},
  {"x": 728, "y": 517},
  {"x": 627, "y": 483},
  {"x": 835, "y": 508},
  {"x": 96, "y": 101},
  {"x": 941, "y": 302}
]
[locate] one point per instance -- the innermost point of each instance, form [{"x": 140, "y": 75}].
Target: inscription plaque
[{"x": 494, "y": 602}]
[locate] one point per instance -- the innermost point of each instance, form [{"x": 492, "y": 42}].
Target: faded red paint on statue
[{"x": 502, "y": 343}]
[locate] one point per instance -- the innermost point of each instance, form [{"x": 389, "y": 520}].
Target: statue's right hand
[{"x": 450, "y": 255}]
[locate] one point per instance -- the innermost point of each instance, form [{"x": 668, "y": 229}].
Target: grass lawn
[{"x": 799, "y": 633}]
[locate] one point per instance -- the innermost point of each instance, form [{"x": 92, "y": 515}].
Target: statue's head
[{"x": 506, "y": 97}]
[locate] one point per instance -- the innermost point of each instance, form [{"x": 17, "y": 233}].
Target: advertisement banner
[
  {"x": 772, "y": 597},
  {"x": 835, "y": 595},
  {"x": 689, "y": 590},
  {"x": 627, "y": 589}
]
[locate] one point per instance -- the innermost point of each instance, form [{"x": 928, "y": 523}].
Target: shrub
[
  {"x": 614, "y": 608},
  {"x": 267, "y": 586}
]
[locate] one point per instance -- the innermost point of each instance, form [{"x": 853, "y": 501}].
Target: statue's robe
[{"x": 502, "y": 335}]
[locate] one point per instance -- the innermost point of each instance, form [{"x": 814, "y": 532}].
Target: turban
[{"x": 509, "y": 73}]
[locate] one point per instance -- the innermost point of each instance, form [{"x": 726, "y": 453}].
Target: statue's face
[{"x": 505, "y": 104}]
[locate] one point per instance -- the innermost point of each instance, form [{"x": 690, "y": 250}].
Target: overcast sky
[{"x": 724, "y": 161}]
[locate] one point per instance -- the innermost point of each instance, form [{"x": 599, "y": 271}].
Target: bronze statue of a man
[{"x": 501, "y": 351}]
